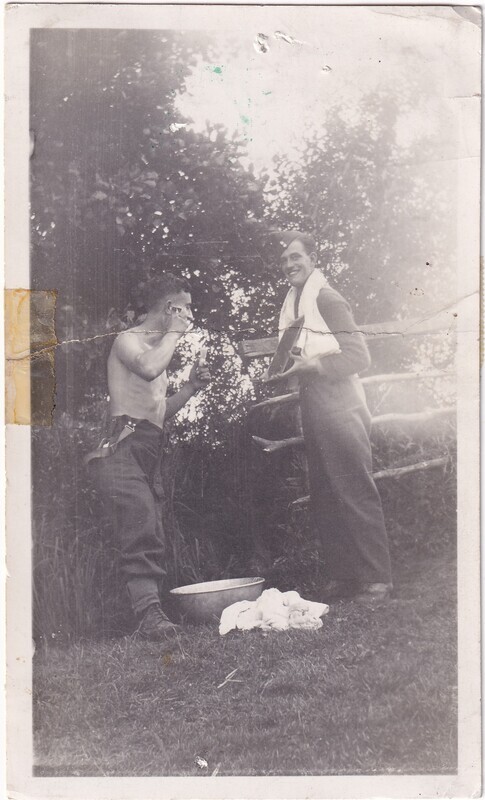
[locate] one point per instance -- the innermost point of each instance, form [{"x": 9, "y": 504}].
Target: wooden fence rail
[
  {"x": 416, "y": 426},
  {"x": 260, "y": 348},
  {"x": 394, "y": 472},
  {"x": 369, "y": 380},
  {"x": 419, "y": 425}
]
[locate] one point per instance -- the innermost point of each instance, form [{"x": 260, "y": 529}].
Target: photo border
[{"x": 19, "y": 19}]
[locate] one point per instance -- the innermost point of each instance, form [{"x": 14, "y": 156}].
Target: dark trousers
[
  {"x": 344, "y": 498},
  {"x": 127, "y": 481}
]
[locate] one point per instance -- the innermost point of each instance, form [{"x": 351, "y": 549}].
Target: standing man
[
  {"x": 336, "y": 427},
  {"x": 126, "y": 466}
]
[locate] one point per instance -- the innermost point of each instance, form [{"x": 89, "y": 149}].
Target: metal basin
[{"x": 205, "y": 602}]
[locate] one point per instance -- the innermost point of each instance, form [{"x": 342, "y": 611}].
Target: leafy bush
[
  {"x": 122, "y": 186},
  {"x": 226, "y": 511}
]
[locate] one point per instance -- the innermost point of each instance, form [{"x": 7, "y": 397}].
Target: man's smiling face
[{"x": 296, "y": 264}]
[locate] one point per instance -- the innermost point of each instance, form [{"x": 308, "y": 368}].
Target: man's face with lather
[
  {"x": 296, "y": 264},
  {"x": 179, "y": 303}
]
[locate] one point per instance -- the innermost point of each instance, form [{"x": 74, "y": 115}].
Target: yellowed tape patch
[{"x": 30, "y": 342}]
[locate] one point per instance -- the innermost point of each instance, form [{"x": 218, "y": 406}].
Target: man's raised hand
[
  {"x": 178, "y": 323},
  {"x": 199, "y": 376}
]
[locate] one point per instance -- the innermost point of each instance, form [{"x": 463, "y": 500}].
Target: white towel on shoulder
[{"x": 315, "y": 339}]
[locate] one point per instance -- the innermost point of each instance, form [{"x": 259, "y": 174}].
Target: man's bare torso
[{"x": 132, "y": 395}]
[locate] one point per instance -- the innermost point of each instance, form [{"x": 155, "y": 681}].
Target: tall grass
[
  {"x": 77, "y": 588},
  {"x": 224, "y": 512}
]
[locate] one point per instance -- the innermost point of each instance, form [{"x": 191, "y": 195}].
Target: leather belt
[{"x": 108, "y": 445}]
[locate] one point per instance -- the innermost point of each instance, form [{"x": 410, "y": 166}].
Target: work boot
[
  {"x": 155, "y": 625},
  {"x": 373, "y": 593}
]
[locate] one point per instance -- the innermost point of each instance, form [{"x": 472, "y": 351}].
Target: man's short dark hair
[
  {"x": 285, "y": 238},
  {"x": 160, "y": 286}
]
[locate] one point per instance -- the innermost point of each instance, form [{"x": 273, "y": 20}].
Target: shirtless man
[{"x": 137, "y": 383}]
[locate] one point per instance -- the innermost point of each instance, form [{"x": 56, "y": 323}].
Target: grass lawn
[{"x": 371, "y": 692}]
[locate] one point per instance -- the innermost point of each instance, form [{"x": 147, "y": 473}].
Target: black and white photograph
[{"x": 242, "y": 294}]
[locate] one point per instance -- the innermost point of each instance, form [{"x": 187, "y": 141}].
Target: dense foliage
[
  {"x": 124, "y": 186},
  {"x": 379, "y": 208}
]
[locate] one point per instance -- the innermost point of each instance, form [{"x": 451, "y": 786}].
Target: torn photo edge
[{"x": 19, "y": 19}]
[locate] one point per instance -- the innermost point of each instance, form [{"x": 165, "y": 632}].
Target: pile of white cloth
[{"x": 274, "y": 610}]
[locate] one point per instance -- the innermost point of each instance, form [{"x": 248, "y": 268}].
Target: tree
[
  {"x": 380, "y": 210},
  {"x": 122, "y": 187}
]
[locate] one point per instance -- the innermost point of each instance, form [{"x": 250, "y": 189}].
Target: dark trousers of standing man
[
  {"x": 344, "y": 498},
  {"x": 128, "y": 482}
]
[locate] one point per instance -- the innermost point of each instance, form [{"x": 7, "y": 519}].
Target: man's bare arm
[
  {"x": 178, "y": 400},
  {"x": 198, "y": 378},
  {"x": 147, "y": 364}
]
